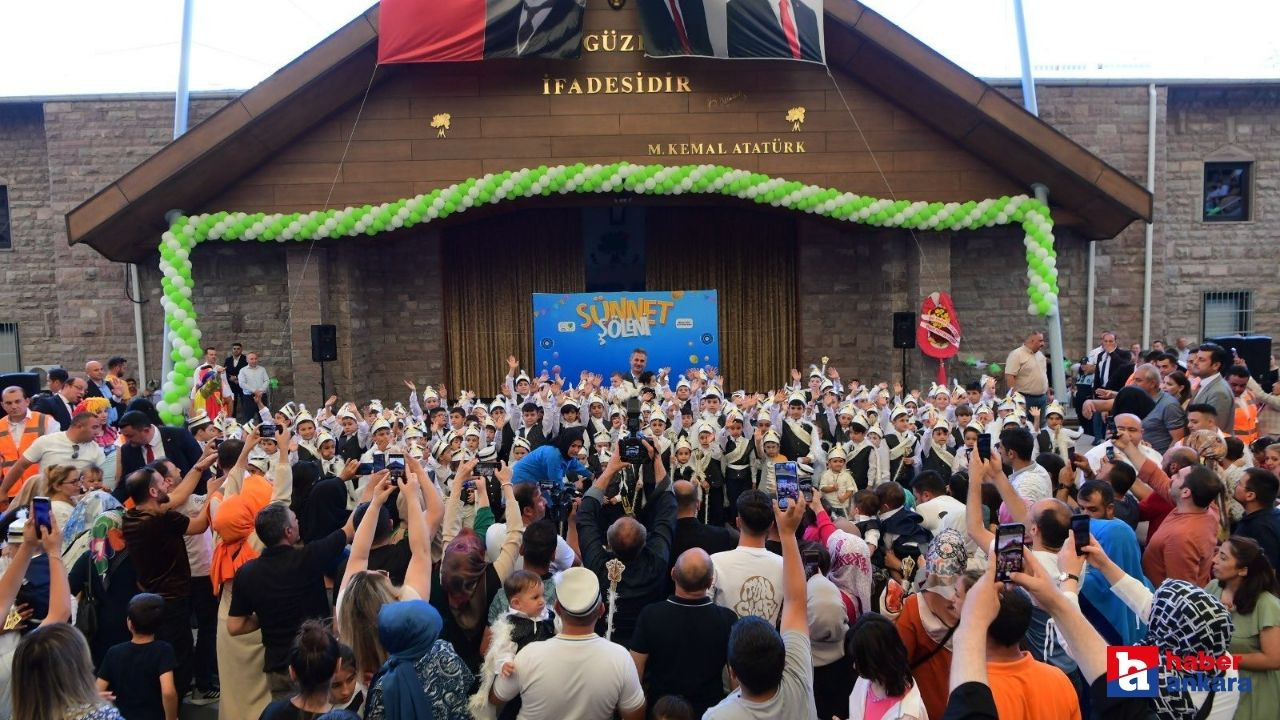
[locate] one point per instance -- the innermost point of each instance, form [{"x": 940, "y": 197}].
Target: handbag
[{"x": 87, "y": 607}]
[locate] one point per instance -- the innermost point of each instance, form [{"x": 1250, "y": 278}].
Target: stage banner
[
  {"x": 596, "y": 332},
  {"x": 778, "y": 29},
  {"x": 412, "y": 31}
]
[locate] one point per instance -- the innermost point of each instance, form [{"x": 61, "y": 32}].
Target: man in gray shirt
[
  {"x": 1166, "y": 423},
  {"x": 1208, "y": 363},
  {"x": 774, "y": 672}
]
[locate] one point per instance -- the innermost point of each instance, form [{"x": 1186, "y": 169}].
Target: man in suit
[
  {"x": 99, "y": 386},
  {"x": 145, "y": 443},
  {"x": 636, "y": 377},
  {"x": 533, "y": 28},
  {"x": 773, "y": 29},
  {"x": 675, "y": 27},
  {"x": 236, "y": 362},
  {"x": 62, "y": 404},
  {"x": 1207, "y": 363}
]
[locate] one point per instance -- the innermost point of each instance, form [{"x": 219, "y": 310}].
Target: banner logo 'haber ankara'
[{"x": 1132, "y": 671}]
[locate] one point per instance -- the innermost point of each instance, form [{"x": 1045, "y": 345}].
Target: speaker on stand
[
  {"x": 324, "y": 348},
  {"x": 904, "y": 337}
]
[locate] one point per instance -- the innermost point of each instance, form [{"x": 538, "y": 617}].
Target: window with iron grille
[
  {"x": 6, "y": 236},
  {"x": 1228, "y": 191},
  {"x": 10, "y": 353},
  {"x": 1226, "y": 313}
]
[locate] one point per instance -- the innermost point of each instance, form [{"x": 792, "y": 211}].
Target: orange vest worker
[
  {"x": 9, "y": 454},
  {"x": 1246, "y": 420}
]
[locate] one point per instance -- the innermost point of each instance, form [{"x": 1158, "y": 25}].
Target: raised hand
[{"x": 512, "y": 364}]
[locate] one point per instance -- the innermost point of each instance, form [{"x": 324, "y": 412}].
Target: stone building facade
[{"x": 70, "y": 303}]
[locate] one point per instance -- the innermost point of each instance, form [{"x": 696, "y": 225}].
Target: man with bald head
[
  {"x": 691, "y": 532},
  {"x": 644, "y": 551},
  {"x": 681, "y": 646},
  {"x": 1129, "y": 427},
  {"x": 99, "y": 385}
]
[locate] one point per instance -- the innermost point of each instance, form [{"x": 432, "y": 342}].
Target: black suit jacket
[
  {"x": 754, "y": 30},
  {"x": 559, "y": 35},
  {"x": 660, "y": 37},
  {"x": 53, "y": 405},
  {"x": 94, "y": 391},
  {"x": 180, "y": 448},
  {"x": 233, "y": 367}
]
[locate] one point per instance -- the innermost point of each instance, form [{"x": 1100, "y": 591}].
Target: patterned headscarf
[
  {"x": 86, "y": 512},
  {"x": 108, "y": 539},
  {"x": 944, "y": 563},
  {"x": 1185, "y": 620},
  {"x": 851, "y": 567}
]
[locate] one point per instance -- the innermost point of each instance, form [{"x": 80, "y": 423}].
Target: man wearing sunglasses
[{"x": 75, "y": 446}]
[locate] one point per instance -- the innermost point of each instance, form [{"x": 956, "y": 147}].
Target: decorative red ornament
[{"x": 938, "y": 333}]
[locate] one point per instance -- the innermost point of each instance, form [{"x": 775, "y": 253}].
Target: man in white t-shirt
[
  {"x": 938, "y": 510},
  {"x": 577, "y": 673},
  {"x": 75, "y": 446},
  {"x": 748, "y": 579},
  {"x": 1129, "y": 427},
  {"x": 533, "y": 507},
  {"x": 767, "y": 688}
]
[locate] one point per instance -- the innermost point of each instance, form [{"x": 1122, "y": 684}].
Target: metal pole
[
  {"x": 132, "y": 273},
  {"x": 1151, "y": 188},
  {"x": 1024, "y": 57},
  {"x": 180, "y": 107}
]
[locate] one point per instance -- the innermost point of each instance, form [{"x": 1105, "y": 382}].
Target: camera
[
  {"x": 631, "y": 448},
  {"x": 559, "y": 497}
]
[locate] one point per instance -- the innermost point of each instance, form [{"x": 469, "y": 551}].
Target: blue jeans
[{"x": 1040, "y": 401}]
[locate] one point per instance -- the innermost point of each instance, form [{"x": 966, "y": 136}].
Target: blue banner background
[{"x": 679, "y": 329}]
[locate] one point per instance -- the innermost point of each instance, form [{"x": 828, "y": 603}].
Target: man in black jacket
[
  {"x": 643, "y": 550},
  {"x": 61, "y": 404},
  {"x": 145, "y": 443},
  {"x": 691, "y": 532},
  {"x": 234, "y": 363}
]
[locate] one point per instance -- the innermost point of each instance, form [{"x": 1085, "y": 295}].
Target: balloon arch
[{"x": 623, "y": 177}]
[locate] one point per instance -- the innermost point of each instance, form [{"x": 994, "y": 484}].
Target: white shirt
[
  {"x": 57, "y": 449},
  {"x": 945, "y": 512},
  {"x": 748, "y": 581},
  {"x": 497, "y": 534},
  {"x": 17, "y": 428},
  {"x": 253, "y": 379},
  {"x": 576, "y": 676},
  {"x": 1097, "y": 453},
  {"x": 199, "y": 547},
  {"x": 156, "y": 444}
]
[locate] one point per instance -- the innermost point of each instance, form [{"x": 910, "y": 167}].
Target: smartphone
[
  {"x": 1111, "y": 453},
  {"x": 1071, "y": 455},
  {"x": 41, "y": 514},
  {"x": 268, "y": 431},
  {"x": 1080, "y": 530},
  {"x": 806, "y": 488},
  {"x": 1009, "y": 542},
  {"x": 395, "y": 463},
  {"x": 788, "y": 482},
  {"x": 984, "y": 446},
  {"x": 1111, "y": 427},
  {"x": 364, "y": 469},
  {"x": 217, "y": 442},
  {"x": 488, "y": 470},
  {"x": 811, "y": 562}
]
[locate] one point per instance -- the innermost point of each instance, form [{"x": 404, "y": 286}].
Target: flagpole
[{"x": 181, "y": 104}]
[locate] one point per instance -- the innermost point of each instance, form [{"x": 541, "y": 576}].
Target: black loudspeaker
[
  {"x": 1255, "y": 349},
  {"x": 324, "y": 343},
  {"x": 28, "y": 381},
  {"x": 904, "y": 330}
]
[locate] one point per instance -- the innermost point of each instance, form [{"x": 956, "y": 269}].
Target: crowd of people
[{"x": 649, "y": 544}]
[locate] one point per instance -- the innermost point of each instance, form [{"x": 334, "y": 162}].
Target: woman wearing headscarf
[
  {"x": 929, "y": 619},
  {"x": 103, "y": 570},
  {"x": 1106, "y": 612},
  {"x": 851, "y": 570},
  {"x": 1184, "y": 620},
  {"x": 244, "y": 686},
  {"x": 553, "y": 462},
  {"x": 468, "y": 584},
  {"x": 423, "y": 678}
]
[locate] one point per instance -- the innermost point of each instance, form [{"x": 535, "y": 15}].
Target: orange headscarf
[{"x": 234, "y": 523}]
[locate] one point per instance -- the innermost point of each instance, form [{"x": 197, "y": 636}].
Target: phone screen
[
  {"x": 1111, "y": 427},
  {"x": 788, "y": 482},
  {"x": 806, "y": 488},
  {"x": 812, "y": 563},
  {"x": 395, "y": 463},
  {"x": 42, "y": 514},
  {"x": 1080, "y": 530},
  {"x": 1071, "y": 454},
  {"x": 1009, "y": 542},
  {"x": 379, "y": 462},
  {"x": 984, "y": 446},
  {"x": 1111, "y": 453}
]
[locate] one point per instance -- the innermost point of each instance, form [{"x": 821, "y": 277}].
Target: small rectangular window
[
  {"x": 6, "y": 235},
  {"x": 1227, "y": 313},
  {"x": 1228, "y": 191},
  {"x": 10, "y": 353}
]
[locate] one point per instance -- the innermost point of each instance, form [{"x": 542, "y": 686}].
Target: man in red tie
[
  {"x": 786, "y": 29},
  {"x": 144, "y": 443},
  {"x": 675, "y": 27}
]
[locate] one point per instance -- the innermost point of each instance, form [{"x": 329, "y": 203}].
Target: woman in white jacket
[{"x": 885, "y": 689}]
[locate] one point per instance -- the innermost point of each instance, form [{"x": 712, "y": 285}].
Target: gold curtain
[
  {"x": 748, "y": 257},
  {"x": 492, "y": 267}
]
